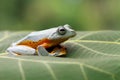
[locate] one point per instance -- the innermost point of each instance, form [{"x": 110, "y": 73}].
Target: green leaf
[{"x": 92, "y": 55}]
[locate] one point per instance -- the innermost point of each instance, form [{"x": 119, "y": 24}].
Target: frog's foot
[{"x": 57, "y": 51}]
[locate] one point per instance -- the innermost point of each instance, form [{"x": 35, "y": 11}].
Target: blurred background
[{"x": 42, "y": 14}]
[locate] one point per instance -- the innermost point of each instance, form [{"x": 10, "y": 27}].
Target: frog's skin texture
[{"x": 45, "y": 42}]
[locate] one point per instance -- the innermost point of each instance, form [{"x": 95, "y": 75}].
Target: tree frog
[{"x": 45, "y": 42}]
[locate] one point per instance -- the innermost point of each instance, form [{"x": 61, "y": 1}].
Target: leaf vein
[
  {"x": 93, "y": 41},
  {"x": 51, "y": 71},
  {"x": 60, "y": 62},
  {"x": 95, "y": 51},
  {"x": 89, "y": 34},
  {"x": 98, "y": 69},
  {"x": 83, "y": 72},
  {"x": 21, "y": 70},
  {"x": 5, "y": 36}
]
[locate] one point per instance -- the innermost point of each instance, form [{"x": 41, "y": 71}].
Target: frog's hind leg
[
  {"x": 20, "y": 50},
  {"x": 58, "y": 51}
]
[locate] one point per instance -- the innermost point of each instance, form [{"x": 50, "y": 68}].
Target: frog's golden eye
[{"x": 61, "y": 30}]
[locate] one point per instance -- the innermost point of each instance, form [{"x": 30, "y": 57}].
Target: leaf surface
[{"x": 92, "y": 55}]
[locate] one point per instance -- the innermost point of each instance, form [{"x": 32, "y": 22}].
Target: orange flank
[
  {"x": 34, "y": 44},
  {"x": 46, "y": 43}
]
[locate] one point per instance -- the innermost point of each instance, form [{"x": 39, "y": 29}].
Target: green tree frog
[{"x": 45, "y": 42}]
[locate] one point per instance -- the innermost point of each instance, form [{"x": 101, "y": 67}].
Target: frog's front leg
[
  {"x": 57, "y": 51},
  {"x": 21, "y": 50},
  {"x": 42, "y": 51}
]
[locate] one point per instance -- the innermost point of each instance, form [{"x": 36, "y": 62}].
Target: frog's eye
[{"x": 61, "y": 30}]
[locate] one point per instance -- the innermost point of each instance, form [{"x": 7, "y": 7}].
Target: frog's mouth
[
  {"x": 73, "y": 33},
  {"x": 58, "y": 41}
]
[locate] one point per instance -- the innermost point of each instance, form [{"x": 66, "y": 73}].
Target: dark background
[{"x": 42, "y": 14}]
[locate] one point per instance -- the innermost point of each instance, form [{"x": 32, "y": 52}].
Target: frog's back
[
  {"x": 35, "y": 38},
  {"x": 39, "y": 35}
]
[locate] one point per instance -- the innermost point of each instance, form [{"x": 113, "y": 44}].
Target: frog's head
[{"x": 62, "y": 33}]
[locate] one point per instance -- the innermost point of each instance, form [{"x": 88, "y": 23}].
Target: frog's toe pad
[
  {"x": 42, "y": 51},
  {"x": 54, "y": 54},
  {"x": 58, "y": 52}
]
